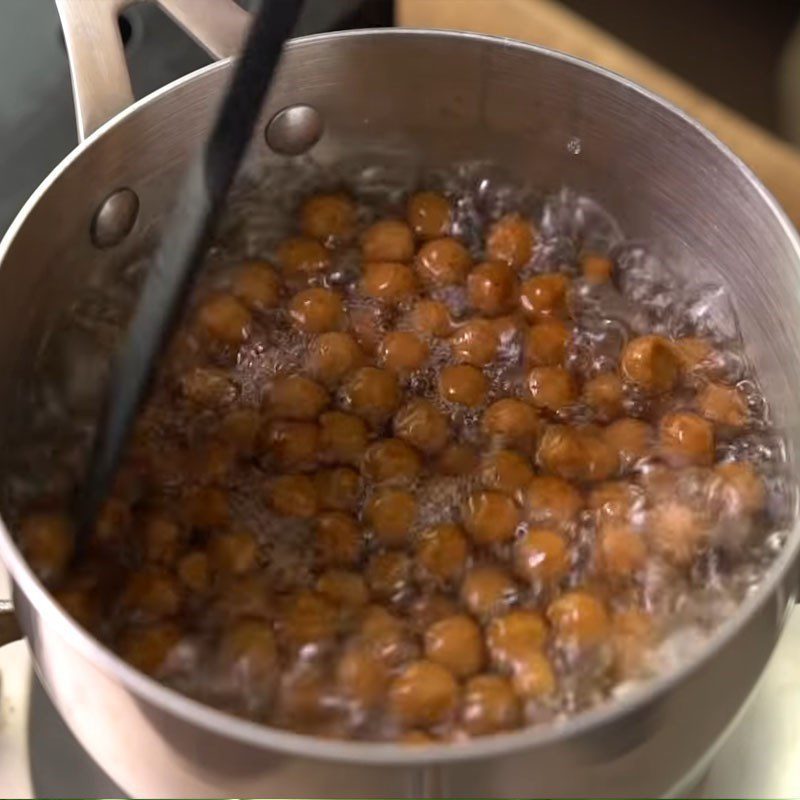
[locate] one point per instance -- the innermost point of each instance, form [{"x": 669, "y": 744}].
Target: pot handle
[{"x": 101, "y": 84}]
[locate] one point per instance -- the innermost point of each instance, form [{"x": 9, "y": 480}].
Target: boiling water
[{"x": 646, "y": 298}]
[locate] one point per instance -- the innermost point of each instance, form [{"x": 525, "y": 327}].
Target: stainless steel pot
[{"x": 424, "y": 97}]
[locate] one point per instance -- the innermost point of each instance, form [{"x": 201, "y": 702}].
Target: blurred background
[{"x": 738, "y": 51}]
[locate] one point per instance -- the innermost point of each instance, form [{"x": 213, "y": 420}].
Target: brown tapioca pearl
[
  {"x": 505, "y": 471},
  {"x": 695, "y": 355},
  {"x": 211, "y": 461},
  {"x": 551, "y": 388},
  {"x": 161, "y": 538},
  {"x": 723, "y": 405},
  {"x": 248, "y": 597},
  {"x": 164, "y": 467},
  {"x": 362, "y": 676},
  {"x": 513, "y": 636},
  {"x": 424, "y": 694},
  {"x": 457, "y": 644},
  {"x": 391, "y": 461},
  {"x": 443, "y": 262},
  {"x": 650, "y": 362},
  {"x": 458, "y": 458},
  {"x": 302, "y": 703},
  {"x": 183, "y": 349},
  {"x": 150, "y": 595},
  {"x": 429, "y": 214},
  {"x": 337, "y": 489},
  {"x": 489, "y": 706},
  {"x": 113, "y": 524},
  {"x": 541, "y": 556},
  {"x": 488, "y": 590},
  {"x": 292, "y": 496},
  {"x": 430, "y": 318},
  {"x": 257, "y": 285},
  {"x": 511, "y": 240},
  {"x": 308, "y": 620},
  {"x": 249, "y": 654},
  {"x": 47, "y": 541},
  {"x": 293, "y": 445},
  {"x": 490, "y": 517},
  {"x": 615, "y": 500},
  {"x": 296, "y": 397},
  {"x": 367, "y": 325},
  {"x": 553, "y": 500},
  {"x": 577, "y": 454},
  {"x": 239, "y": 428},
  {"x": 331, "y": 218},
  {"x": 686, "y": 438},
  {"x": 508, "y": 328},
  {"x": 659, "y": 483},
  {"x": 388, "y": 281},
  {"x": 632, "y": 634},
  {"x": 422, "y": 425},
  {"x": 441, "y": 552},
  {"x": 492, "y": 288},
  {"x": 475, "y": 342},
  {"x": 233, "y": 553},
  {"x": 633, "y": 439},
  {"x": 208, "y": 387},
  {"x": 205, "y": 508},
  {"x": 373, "y": 393},
  {"x": 386, "y": 636},
  {"x": 338, "y": 539},
  {"x": 533, "y": 677},
  {"x": 332, "y": 356},
  {"x": 511, "y": 422},
  {"x": 194, "y": 571},
  {"x": 622, "y": 552},
  {"x": 604, "y": 395},
  {"x": 579, "y": 620},
  {"x": 224, "y": 319},
  {"x": 544, "y": 296},
  {"x": 676, "y": 532},
  {"x": 403, "y": 352},
  {"x": 343, "y": 437},
  {"x": 301, "y": 255},
  {"x": 463, "y": 384},
  {"x": 343, "y": 589},
  {"x": 597, "y": 269},
  {"x": 148, "y": 647},
  {"x": 390, "y": 513},
  {"x": 387, "y": 240},
  {"x": 546, "y": 343},
  {"x": 742, "y": 486},
  {"x": 388, "y": 574},
  {"x": 316, "y": 310},
  {"x": 428, "y": 609}
]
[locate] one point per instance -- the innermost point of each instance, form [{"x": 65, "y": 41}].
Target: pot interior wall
[{"x": 433, "y": 99}]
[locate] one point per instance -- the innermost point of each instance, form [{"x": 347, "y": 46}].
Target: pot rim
[{"x": 266, "y": 737}]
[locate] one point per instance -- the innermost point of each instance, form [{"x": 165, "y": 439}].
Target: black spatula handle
[{"x": 182, "y": 248}]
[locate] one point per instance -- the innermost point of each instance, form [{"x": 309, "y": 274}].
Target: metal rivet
[
  {"x": 294, "y": 130},
  {"x": 115, "y": 218}
]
